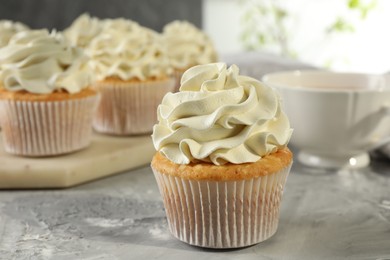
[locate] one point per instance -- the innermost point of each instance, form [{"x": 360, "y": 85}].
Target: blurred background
[
  {"x": 59, "y": 14},
  {"x": 346, "y": 35},
  {"x": 343, "y": 35}
]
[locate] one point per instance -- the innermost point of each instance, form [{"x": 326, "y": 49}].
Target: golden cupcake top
[
  {"x": 126, "y": 50},
  {"x": 187, "y": 45},
  {"x": 40, "y": 62},
  {"x": 220, "y": 117},
  {"x": 270, "y": 164},
  {"x": 8, "y": 29}
]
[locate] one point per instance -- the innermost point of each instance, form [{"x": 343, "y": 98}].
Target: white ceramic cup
[{"x": 337, "y": 117}]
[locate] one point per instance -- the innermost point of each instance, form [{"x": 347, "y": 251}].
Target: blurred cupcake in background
[
  {"x": 8, "y": 29},
  {"x": 46, "y": 102},
  {"x": 81, "y": 32},
  {"x": 133, "y": 74},
  {"x": 187, "y": 46}
]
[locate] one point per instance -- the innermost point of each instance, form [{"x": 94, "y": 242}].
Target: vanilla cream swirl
[
  {"x": 126, "y": 50},
  {"x": 8, "y": 29},
  {"x": 219, "y": 116},
  {"x": 41, "y": 62},
  {"x": 187, "y": 45},
  {"x": 81, "y": 32}
]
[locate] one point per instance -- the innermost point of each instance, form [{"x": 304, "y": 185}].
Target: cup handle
[{"x": 385, "y": 109}]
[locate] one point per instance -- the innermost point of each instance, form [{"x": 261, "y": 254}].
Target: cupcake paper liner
[
  {"x": 129, "y": 108},
  {"x": 222, "y": 214},
  {"x": 46, "y": 128}
]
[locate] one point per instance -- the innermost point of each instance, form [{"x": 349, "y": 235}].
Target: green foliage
[
  {"x": 361, "y": 7},
  {"x": 264, "y": 23},
  {"x": 354, "y": 4},
  {"x": 341, "y": 25}
]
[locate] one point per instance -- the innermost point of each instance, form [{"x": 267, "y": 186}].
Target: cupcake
[
  {"x": 82, "y": 31},
  {"x": 8, "y": 29},
  {"x": 46, "y": 102},
  {"x": 187, "y": 46},
  {"x": 133, "y": 75},
  {"x": 222, "y": 158}
]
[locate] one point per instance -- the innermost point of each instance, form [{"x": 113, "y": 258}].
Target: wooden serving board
[{"x": 105, "y": 156}]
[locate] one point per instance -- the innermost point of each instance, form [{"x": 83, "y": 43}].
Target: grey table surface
[{"x": 342, "y": 214}]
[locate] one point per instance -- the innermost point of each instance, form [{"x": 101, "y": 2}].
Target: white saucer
[{"x": 327, "y": 162}]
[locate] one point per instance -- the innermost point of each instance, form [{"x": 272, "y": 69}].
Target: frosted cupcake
[
  {"x": 46, "y": 103},
  {"x": 83, "y": 30},
  {"x": 222, "y": 159},
  {"x": 8, "y": 29},
  {"x": 133, "y": 75},
  {"x": 187, "y": 46}
]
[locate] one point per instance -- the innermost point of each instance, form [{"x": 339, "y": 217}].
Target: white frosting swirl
[
  {"x": 219, "y": 116},
  {"x": 81, "y": 32},
  {"x": 187, "y": 45},
  {"x": 8, "y": 29},
  {"x": 126, "y": 50},
  {"x": 41, "y": 62}
]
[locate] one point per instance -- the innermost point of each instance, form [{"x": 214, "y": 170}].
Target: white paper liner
[
  {"x": 224, "y": 214},
  {"x": 46, "y": 128},
  {"x": 129, "y": 108}
]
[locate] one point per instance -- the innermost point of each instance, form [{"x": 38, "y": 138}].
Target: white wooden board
[{"x": 106, "y": 155}]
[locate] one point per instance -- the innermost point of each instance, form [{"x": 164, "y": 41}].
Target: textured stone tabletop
[{"x": 324, "y": 215}]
